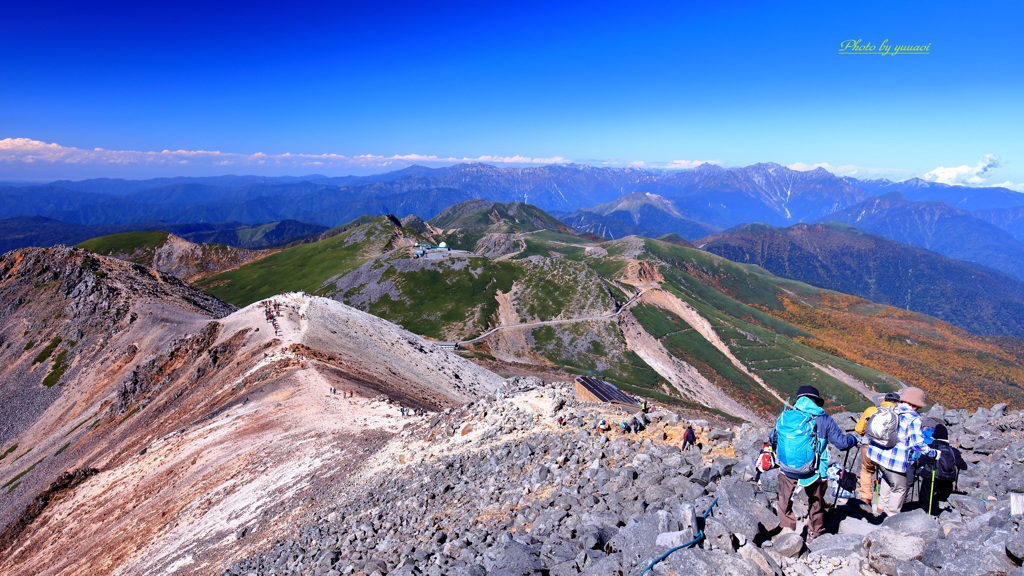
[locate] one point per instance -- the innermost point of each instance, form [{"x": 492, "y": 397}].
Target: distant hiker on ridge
[
  {"x": 764, "y": 462},
  {"x": 865, "y": 485},
  {"x": 800, "y": 439},
  {"x": 894, "y": 460},
  {"x": 689, "y": 437}
]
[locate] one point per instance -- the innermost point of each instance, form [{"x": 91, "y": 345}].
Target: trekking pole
[
  {"x": 876, "y": 492},
  {"x": 931, "y": 493}
]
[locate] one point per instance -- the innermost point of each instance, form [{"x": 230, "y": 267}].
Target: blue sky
[{"x": 335, "y": 88}]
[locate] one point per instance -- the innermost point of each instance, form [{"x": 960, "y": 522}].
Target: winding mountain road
[{"x": 563, "y": 321}]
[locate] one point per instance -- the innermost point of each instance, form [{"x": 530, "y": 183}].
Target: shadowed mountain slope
[
  {"x": 844, "y": 259},
  {"x": 938, "y": 227}
]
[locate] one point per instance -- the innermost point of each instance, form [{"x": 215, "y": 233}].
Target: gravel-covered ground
[{"x": 497, "y": 487}]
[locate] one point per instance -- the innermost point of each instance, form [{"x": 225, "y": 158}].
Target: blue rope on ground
[{"x": 697, "y": 538}]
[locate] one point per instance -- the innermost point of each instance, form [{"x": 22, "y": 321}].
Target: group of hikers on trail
[{"x": 894, "y": 446}]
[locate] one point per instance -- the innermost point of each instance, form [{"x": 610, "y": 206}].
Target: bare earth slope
[{"x": 209, "y": 436}]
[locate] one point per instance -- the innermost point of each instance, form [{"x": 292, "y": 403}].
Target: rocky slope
[
  {"x": 276, "y": 439},
  {"x": 499, "y": 487},
  {"x": 186, "y": 431},
  {"x": 172, "y": 254}
]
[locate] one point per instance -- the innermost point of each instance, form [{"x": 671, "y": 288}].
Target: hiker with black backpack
[
  {"x": 893, "y": 459},
  {"x": 866, "y": 482},
  {"x": 938, "y": 473},
  {"x": 800, "y": 440}
]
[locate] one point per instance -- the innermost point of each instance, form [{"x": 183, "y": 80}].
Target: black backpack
[{"x": 944, "y": 464}]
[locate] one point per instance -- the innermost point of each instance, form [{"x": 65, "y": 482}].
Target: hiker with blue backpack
[
  {"x": 800, "y": 439},
  {"x": 893, "y": 454}
]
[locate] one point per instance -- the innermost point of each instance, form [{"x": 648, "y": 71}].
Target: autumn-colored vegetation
[{"x": 955, "y": 368}]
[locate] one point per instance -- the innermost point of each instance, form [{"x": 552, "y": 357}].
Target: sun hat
[{"x": 913, "y": 396}]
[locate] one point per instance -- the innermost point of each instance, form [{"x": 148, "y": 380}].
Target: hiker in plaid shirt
[{"x": 894, "y": 462}]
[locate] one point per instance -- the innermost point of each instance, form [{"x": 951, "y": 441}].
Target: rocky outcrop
[
  {"x": 66, "y": 481},
  {"x": 527, "y": 496}
]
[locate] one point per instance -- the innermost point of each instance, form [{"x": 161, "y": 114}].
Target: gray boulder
[
  {"x": 512, "y": 558},
  {"x": 1015, "y": 547},
  {"x": 846, "y": 420},
  {"x": 637, "y": 541},
  {"x": 739, "y": 521},
  {"x": 720, "y": 435},
  {"x": 788, "y": 544},
  {"x": 856, "y": 526},
  {"x": 966, "y": 558},
  {"x": 770, "y": 481},
  {"x": 967, "y": 505},
  {"x": 674, "y": 539},
  {"x": 837, "y": 545},
  {"x": 914, "y": 568},
  {"x": 697, "y": 562},
  {"x": 741, "y": 496},
  {"x": 915, "y": 523},
  {"x": 886, "y": 547},
  {"x": 764, "y": 562},
  {"x": 718, "y": 535}
]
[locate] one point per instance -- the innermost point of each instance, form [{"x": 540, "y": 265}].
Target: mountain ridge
[
  {"x": 196, "y": 420},
  {"x": 848, "y": 260}
]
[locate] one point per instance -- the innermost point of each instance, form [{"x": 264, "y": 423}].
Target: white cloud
[
  {"x": 27, "y": 151},
  {"x": 687, "y": 164},
  {"x": 850, "y": 170},
  {"x": 1019, "y": 187},
  {"x": 965, "y": 175}
]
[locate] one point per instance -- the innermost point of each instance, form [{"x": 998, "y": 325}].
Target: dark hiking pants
[{"x": 816, "y": 509}]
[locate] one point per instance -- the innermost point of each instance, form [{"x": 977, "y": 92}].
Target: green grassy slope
[
  {"x": 784, "y": 332},
  {"x": 139, "y": 245},
  {"x": 305, "y": 267}
]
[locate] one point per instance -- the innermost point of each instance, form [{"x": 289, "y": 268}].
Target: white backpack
[{"x": 883, "y": 427}]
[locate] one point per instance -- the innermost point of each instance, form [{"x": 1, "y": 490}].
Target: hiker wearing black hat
[
  {"x": 867, "y": 467},
  {"x": 800, "y": 439},
  {"x": 939, "y": 472}
]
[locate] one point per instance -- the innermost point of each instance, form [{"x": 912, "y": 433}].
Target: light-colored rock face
[{"x": 216, "y": 437}]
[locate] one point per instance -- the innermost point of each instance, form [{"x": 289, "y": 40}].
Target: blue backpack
[{"x": 798, "y": 446}]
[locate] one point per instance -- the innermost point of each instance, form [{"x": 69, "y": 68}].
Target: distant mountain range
[
  {"x": 40, "y": 231},
  {"x": 939, "y": 227},
  {"x": 973, "y": 224},
  {"x": 716, "y": 196},
  {"x": 641, "y": 213}
]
